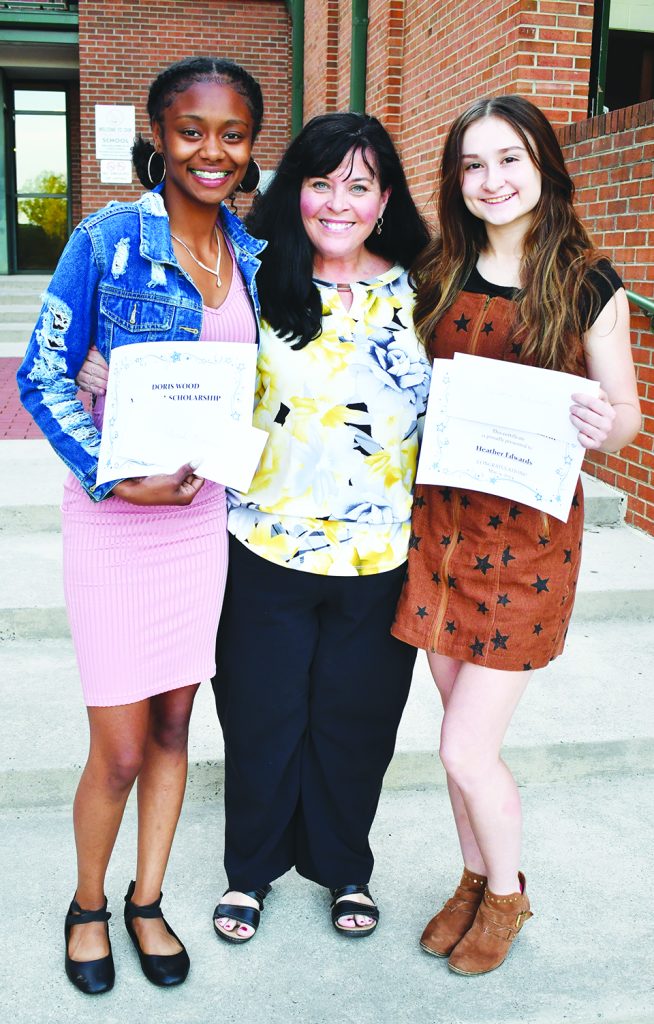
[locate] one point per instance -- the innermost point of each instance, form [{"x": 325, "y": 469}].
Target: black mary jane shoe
[
  {"x": 244, "y": 915},
  {"x": 162, "y": 970},
  {"x": 90, "y": 976},
  {"x": 346, "y": 907}
]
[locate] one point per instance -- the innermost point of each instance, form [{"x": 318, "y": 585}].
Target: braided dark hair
[{"x": 176, "y": 79}]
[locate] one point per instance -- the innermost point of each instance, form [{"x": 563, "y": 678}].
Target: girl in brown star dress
[{"x": 491, "y": 582}]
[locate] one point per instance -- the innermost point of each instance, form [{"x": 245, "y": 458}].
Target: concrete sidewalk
[{"x": 585, "y": 957}]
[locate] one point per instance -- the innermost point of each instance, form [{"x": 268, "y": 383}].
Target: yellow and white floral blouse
[{"x": 332, "y": 494}]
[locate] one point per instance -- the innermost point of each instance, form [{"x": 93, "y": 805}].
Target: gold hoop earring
[{"x": 151, "y": 179}]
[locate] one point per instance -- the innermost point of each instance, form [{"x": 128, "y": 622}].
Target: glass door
[{"x": 41, "y": 194}]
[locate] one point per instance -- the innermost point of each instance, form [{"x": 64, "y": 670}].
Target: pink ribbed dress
[{"x": 144, "y": 586}]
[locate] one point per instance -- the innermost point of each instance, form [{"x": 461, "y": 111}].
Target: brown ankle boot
[
  {"x": 452, "y": 922},
  {"x": 499, "y": 919}
]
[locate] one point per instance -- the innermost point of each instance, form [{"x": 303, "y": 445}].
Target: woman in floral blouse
[{"x": 310, "y": 685}]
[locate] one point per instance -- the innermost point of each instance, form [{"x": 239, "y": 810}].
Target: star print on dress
[
  {"x": 450, "y": 627},
  {"x": 414, "y": 542},
  {"x": 513, "y": 564},
  {"x": 435, "y": 577},
  {"x": 477, "y": 648},
  {"x": 575, "y": 501},
  {"x": 419, "y": 501},
  {"x": 483, "y": 564},
  {"x": 451, "y": 582},
  {"x": 462, "y": 323},
  {"x": 422, "y": 611},
  {"x": 499, "y": 641}
]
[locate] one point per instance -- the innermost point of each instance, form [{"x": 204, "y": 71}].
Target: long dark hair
[
  {"x": 176, "y": 79},
  {"x": 557, "y": 250},
  {"x": 290, "y": 301}
]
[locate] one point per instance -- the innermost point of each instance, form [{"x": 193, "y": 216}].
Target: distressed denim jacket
[{"x": 117, "y": 282}]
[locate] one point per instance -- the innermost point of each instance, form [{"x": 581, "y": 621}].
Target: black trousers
[{"x": 310, "y": 687}]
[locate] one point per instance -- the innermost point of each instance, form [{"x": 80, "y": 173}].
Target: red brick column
[
  {"x": 321, "y": 33},
  {"x": 611, "y": 159},
  {"x": 386, "y": 62}
]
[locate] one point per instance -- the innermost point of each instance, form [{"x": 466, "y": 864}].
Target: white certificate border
[
  {"x": 445, "y": 422},
  {"x": 115, "y": 460}
]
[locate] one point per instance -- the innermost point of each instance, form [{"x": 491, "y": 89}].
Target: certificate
[
  {"x": 505, "y": 429},
  {"x": 169, "y": 403}
]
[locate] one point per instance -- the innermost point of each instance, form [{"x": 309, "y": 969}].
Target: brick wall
[
  {"x": 123, "y": 45},
  {"x": 428, "y": 59},
  {"x": 455, "y": 53},
  {"x": 385, "y": 62},
  {"x": 611, "y": 159},
  {"x": 321, "y": 34},
  {"x": 344, "y": 50}
]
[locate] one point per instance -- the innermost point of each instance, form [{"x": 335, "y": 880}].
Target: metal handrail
[
  {"x": 644, "y": 304},
  {"x": 42, "y": 6}
]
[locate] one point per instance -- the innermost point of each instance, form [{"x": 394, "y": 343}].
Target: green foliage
[{"x": 49, "y": 214}]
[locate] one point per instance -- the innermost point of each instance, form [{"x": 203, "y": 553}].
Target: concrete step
[
  {"x": 19, "y": 311},
  {"x": 33, "y": 479},
  {"x": 617, "y": 575},
  {"x": 24, "y": 507},
  {"x": 14, "y": 333},
  {"x": 12, "y": 284},
  {"x": 573, "y": 722},
  {"x": 603, "y": 505},
  {"x": 585, "y": 956},
  {"x": 616, "y": 581},
  {"x": 12, "y": 349}
]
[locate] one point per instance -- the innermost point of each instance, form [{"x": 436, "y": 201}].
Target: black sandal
[
  {"x": 160, "y": 969},
  {"x": 346, "y": 907},
  {"x": 90, "y": 976},
  {"x": 244, "y": 915}
]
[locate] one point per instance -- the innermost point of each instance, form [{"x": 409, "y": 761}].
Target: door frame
[{"x": 11, "y": 212}]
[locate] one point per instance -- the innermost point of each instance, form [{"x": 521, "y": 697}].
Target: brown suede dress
[{"x": 489, "y": 580}]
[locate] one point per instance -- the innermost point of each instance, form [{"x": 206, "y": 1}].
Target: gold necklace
[{"x": 215, "y": 272}]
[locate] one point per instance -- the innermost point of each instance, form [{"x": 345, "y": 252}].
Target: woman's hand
[
  {"x": 178, "y": 488},
  {"x": 93, "y": 374},
  {"x": 593, "y": 418}
]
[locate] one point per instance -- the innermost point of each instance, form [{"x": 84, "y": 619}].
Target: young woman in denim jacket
[{"x": 145, "y": 559}]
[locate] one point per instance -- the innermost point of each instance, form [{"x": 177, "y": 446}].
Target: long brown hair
[{"x": 557, "y": 250}]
